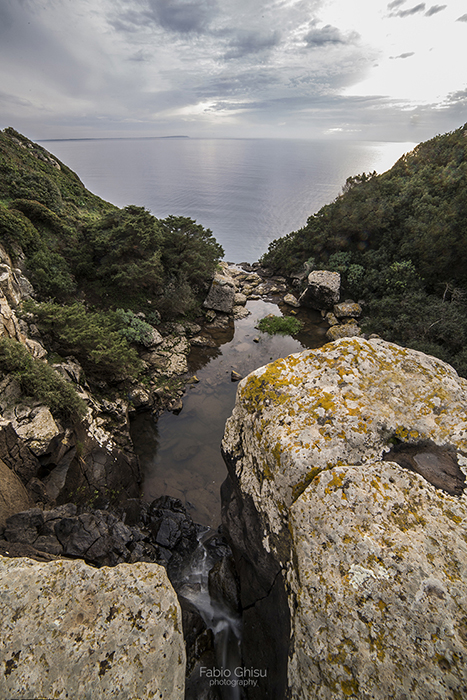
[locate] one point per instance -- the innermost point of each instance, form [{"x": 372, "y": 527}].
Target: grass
[{"x": 280, "y": 325}]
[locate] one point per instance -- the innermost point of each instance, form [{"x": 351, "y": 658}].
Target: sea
[{"x": 246, "y": 191}]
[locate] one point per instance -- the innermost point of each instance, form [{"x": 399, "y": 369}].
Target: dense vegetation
[
  {"x": 39, "y": 381},
  {"x": 399, "y": 241},
  {"x": 117, "y": 262}
]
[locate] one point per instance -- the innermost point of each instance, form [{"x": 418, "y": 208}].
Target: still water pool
[{"x": 180, "y": 454}]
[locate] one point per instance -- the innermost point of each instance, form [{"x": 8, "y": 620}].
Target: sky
[{"x": 314, "y": 69}]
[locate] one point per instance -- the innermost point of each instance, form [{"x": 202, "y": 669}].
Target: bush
[
  {"x": 134, "y": 328},
  {"x": 281, "y": 325},
  {"x": 93, "y": 337},
  {"x": 39, "y": 381}
]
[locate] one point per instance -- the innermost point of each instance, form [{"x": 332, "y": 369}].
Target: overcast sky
[{"x": 360, "y": 69}]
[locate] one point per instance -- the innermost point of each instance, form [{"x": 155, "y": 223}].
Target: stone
[
  {"x": 323, "y": 290},
  {"x": 40, "y": 432},
  {"x": 240, "y": 299},
  {"x": 343, "y": 330},
  {"x": 139, "y": 397},
  {"x": 202, "y": 341},
  {"x": 70, "y": 630},
  {"x": 365, "y": 559},
  {"x": 221, "y": 295},
  {"x": 347, "y": 310},
  {"x": 13, "y": 495},
  {"x": 291, "y": 300},
  {"x": 240, "y": 312},
  {"x": 330, "y": 318}
]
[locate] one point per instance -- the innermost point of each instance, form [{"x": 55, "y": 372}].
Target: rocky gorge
[{"x": 342, "y": 549}]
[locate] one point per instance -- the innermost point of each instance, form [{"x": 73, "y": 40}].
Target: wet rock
[
  {"x": 202, "y": 341},
  {"x": 72, "y": 630},
  {"x": 323, "y": 290},
  {"x": 176, "y": 406},
  {"x": 240, "y": 312},
  {"x": 291, "y": 300},
  {"x": 224, "y": 585},
  {"x": 139, "y": 397},
  {"x": 170, "y": 525},
  {"x": 240, "y": 299}
]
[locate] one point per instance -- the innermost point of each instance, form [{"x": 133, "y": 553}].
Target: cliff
[{"x": 353, "y": 563}]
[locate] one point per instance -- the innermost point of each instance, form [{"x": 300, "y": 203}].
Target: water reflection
[{"x": 180, "y": 454}]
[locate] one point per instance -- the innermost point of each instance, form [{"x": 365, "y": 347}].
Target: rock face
[
  {"x": 370, "y": 557},
  {"x": 13, "y": 495},
  {"x": 69, "y": 630},
  {"x": 323, "y": 290},
  {"x": 221, "y": 295}
]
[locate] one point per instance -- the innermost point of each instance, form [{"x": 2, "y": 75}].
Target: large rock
[
  {"x": 68, "y": 630},
  {"x": 13, "y": 496},
  {"x": 370, "y": 558},
  {"x": 221, "y": 296},
  {"x": 39, "y": 433},
  {"x": 323, "y": 290}
]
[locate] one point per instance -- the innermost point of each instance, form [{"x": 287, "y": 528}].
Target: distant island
[{"x": 115, "y": 138}]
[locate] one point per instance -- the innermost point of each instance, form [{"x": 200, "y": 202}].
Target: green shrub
[
  {"x": 134, "y": 328},
  {"x": 281, "y": 325},
  {"x": 39, "y": 381},
  {"x": 93, "y": 337},
  {"x": 17, "y": 230}
]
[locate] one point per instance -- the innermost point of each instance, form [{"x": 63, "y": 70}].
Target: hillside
[
  {"x": 102, "y": 276},
  {"x": 399, "y": 241}
]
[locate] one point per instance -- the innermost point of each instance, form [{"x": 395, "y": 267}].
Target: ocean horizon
[{"x": 246, "y": 191}]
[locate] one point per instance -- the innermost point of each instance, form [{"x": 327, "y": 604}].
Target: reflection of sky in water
[{"x": 180, "y": 455}]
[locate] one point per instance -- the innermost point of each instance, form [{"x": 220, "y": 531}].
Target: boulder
[
  {"x": 221, "y": 296},
  {"x": 291, "y": 300},
  {"x": 353, "y": 566},
  {"x": 348, "y": 309},
  {"x": 240, "y": 299},
  {"x": 323, "y": 290},
  {"x": 39, "y": 433},
  {"x": 69, "y": 630},
  {"x": 343, "y": 330},
  {"x": 13, "y": 495}
]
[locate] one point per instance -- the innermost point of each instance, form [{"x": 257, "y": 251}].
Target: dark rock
[
  {"x": 16, "y": 455},
  {"x": 263, "y": 598},
  {"x": 24, "y": 527},
  {"x": 438, "y": 465},
  {"x": 224, "y": 584}
]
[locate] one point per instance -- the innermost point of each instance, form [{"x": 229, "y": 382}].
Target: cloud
[
  {"x": 462, "y": 19},
  {"x": 404, "y": 55},
  {"x": 406, "y": 13},
  {"x": 250, "y": 42},
  {"x": 184, "y": 16},
  {"x": 329, "y": 35},
  {"x": 395, "y": 3},
  {"x": 434, "y": 9}
]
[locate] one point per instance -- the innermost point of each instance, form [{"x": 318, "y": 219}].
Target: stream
[
  {"x": 180, "y": 457},
  {"x": 180, "y": 454}
]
